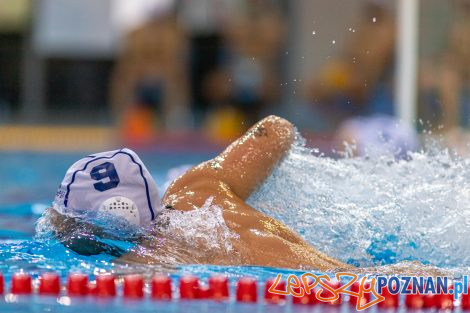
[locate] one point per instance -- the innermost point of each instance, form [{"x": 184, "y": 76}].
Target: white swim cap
[{"x": 116, "y": 182}]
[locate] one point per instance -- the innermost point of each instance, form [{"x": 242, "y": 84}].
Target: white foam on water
[
  {"x": 203, "y": 229},
  {"x": 186, "y": 237},
  {"x": 375, "y": 210}
]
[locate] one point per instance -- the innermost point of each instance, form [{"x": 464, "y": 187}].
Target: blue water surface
[
  {"x": 28, "y": 184},
  {"x": 373, "y": 213}
]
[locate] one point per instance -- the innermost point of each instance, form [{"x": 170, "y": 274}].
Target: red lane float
[
  {"x": 218, "y": 288},
  {"x": 77, "y": 285},
  {"x": 247, "y": 290},
  {"x": 444, "y": 301},
  {"x": 204, "y": 292},
  {"x": 161, "y": 288},
  {"x": 189, "y": 288},
  {"x": 429, "y": 301},
  {"x": 419, "y": 301},
  {"x": 272, "y": 297},
  {"x": 328, "y": 294},
  {"x": 391, "y": 300},
  {"x": 133, "y": 287},
  {"x": 105, "y": 286},
  {"x": 2, "y": 283},
  {"x": 365, "y": 297},
  {"x": 309, "y": 298},
  {"x": 465, "y": 303},
  {"x": 21, "y": 284},
  {"x": 49, "y": 284},
  {"x": 414, "y": 301}
]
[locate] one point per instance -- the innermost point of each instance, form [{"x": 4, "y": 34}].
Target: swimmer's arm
[
  {"x": 272, "y": 243},
  {"x": 246, "y": 163},
  {"x": 64, "y": 225},
  {"x": 275, "y": 251}
]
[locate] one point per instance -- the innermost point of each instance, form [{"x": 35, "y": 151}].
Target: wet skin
[{"x": 230, "y": 178}]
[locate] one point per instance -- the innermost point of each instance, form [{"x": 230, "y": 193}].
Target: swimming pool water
[{"x": 371, "y": 212}]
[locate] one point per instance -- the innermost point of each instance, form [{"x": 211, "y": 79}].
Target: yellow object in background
[
  {"x": 337, "y": 75},
  {"x": 225, "y": 124}
]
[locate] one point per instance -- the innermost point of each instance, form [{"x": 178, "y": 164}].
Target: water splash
[
  {"x": 203, "y": 228},
  {"x": 185, "y": 237},
  {"x": 375, "y": 210},
  {"x": 194, "y": 236}
]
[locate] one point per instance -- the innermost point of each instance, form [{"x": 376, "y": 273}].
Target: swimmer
[{"x": 229, "y": 179}]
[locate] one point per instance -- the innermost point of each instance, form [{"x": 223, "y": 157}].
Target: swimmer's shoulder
[{"x": 191, "y": 191}]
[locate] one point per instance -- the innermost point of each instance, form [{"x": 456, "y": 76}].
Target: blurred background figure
[
  {"x": 194, "y": 74},
  {"x": 205, "y": 22},
  {"x": 445, "y": 82},
  {"x": 246, "y": 82},
  {"x": 150, "y": 85},
  {"x": 449, "y": 77},
  {"x": 13, "y": 21},
  {"x": 359, "y": 81}
]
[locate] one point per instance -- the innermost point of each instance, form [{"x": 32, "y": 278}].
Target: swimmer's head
[{"x": 114, "y": 182}]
